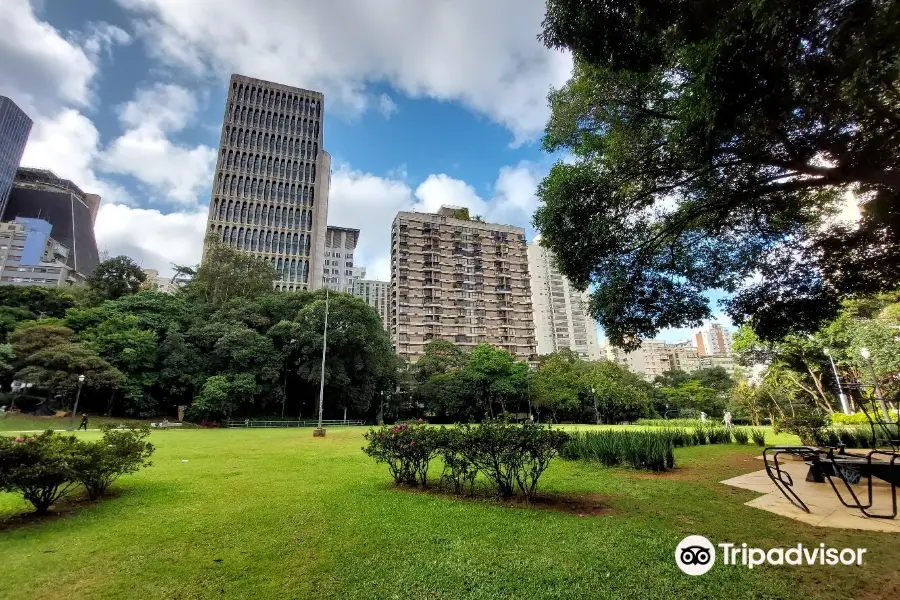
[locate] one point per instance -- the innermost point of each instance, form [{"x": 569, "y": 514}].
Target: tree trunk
[{"x": 109, "y": 404}]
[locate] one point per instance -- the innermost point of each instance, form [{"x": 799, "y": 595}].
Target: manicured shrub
[
  {"x": 459, "y": 470},
  {"x": 494, "y": 448},
  {"x": 758, "y": 436},
  {"x": 668, "y": 423},
  {"x": 40, "y": 467},
  {"x": 538, "y": 445},
  {"x": 407, "y": 450},
  {"x": 859, "y": 418},
  {"x": 741, "y": 435},
  {"x": 510, "y": 456},
  {"x": 120, "y": 451}
]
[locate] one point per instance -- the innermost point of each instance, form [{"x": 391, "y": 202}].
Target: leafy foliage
[
  {"x": 114, "y": 278},
  {"x": 228, "y": 273},
  {"x": 712, "y": 143},
  {"x": 42, "y": 467},
  {"x": 121, "y": 451},
  {"x": 407, "y": 450}
]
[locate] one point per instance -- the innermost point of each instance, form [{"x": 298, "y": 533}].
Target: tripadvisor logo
[{"x": 696, "y": 555}]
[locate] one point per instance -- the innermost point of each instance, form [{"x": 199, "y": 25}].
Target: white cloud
[
  {"x": 164, "y": 238},
  {"x": 370, "y": 203},
  {"x": 39, "y": 69},
  {"x": 386, "y": 106},
  {"x": 482, "y": 54},
  {"x": 144, "y": 151}
]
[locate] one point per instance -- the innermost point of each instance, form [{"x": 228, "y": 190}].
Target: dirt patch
[
  {"x": 589, "y": 505},
  {"x": 583, "y": 505}
]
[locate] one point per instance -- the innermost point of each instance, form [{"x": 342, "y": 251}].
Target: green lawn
[
  {"x": 19, "y": 422},
  {"x": 278, "y": 514}
]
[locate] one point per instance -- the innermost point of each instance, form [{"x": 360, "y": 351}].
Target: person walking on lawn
[{"x": 84, "y": 422}]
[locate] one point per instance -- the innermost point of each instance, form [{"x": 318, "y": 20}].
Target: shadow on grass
[
  {"x": 70, "y": 506},
  {"x": 582, "y": 505}
]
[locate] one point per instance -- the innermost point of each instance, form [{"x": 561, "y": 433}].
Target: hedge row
[
  {"x": 45, "y": 467},
  {"x": 511, "y": 457}
]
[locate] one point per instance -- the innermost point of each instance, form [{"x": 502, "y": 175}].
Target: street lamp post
[
  {"x": 320, "y": 431},
  {"x": 381, "y": 410},
  {"x": 596, "y": 412},
  {"x": 75, "y": 409},
  {"x": 845, "y": 406},
  {"x": 867, "y": 355},
  {"x": 284, "y": 391}
]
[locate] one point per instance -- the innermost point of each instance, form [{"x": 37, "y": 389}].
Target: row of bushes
[
  {"x": 45, "y": 467},
  {"x": 511, "y": 457},
  {"x": 651, "y": 448},
  {"x": 851, "y": 437},
  {"x": 858, "y": 418}
]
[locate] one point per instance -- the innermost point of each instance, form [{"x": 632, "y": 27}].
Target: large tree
[
  {"x": 115, "y": 278},
  {"x": 710, "y": 143},
  {"x": 228, "y": 273}
]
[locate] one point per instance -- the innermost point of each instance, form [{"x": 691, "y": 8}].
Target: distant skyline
[{"x": 127, "y": 98}]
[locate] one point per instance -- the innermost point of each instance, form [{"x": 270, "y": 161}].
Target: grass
[
  {"x": 19, "y": 422},
  {"x": 267, "y": 513}
]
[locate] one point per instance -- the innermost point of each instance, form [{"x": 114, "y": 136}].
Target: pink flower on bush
[
  {"x": 420, "y": 420},
  {"x": 19, "y": 440},
  {"x": 412, "y": 443}
]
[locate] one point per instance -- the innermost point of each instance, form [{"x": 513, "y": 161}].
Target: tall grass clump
[
  {"x": 758, "y": 436},
  {"x": 741, "y": 435},
  {"x": 650, "y": 450}
]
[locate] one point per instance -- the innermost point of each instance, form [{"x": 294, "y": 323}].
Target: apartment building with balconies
[{"x": 460, "y": 280}]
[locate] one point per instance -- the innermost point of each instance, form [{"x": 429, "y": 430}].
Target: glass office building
[{"x": 14, "y": 129}]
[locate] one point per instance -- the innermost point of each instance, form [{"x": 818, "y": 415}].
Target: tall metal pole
[
  {"x": 845, "y": 406},
  {"x": 884, "y": 408},
  {"x": 867, "y": 356},
  {"x": 319, "y": 431},
  {"x": 75, "y": 408}
]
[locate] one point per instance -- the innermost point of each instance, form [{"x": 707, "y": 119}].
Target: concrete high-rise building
[
  {"x": 29, "y": 256},
  {"x": 376, "y": 294},
  {"x": 270, "y": 188},
  {"x": 561, "y": 320},
  {"x": 655, "y": 357},
  {"x": 340, "y": 243},
  {"x": 41, "y": 194},
  {"x": 14, "y": 129},
  {"x": 713, "y": 340},
  {"x": 460, "y": 280}
]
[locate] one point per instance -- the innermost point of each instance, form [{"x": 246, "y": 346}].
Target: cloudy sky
[{"x": 427, "y": 102}]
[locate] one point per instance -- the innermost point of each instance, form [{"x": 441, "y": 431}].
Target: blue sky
[{"x": 427, "y": 102}]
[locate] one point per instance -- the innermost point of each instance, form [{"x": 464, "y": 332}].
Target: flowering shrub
[
  {"x": 46, "y": 467},
  {"x": 407, "y": 450},
  {"x": 40, "y": 467},
  {"x": 459, "y": 470},
  {"x": 510, "y": 456}
]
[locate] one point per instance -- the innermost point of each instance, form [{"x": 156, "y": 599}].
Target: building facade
[
  {"x": 561, "y": 321},
  {"x": 340, "y": 244},
  {"x": 41, "y": 194},
  {"x": 460, "y": 280},
  {"x": 713, "y": 339},
  {"x": 376, "y": 294},
  {"x": 270, "y": 188},
  {"x": 655, "y": 357},
  {"x": 29, "y": 256},
  {"x": 15, "y": 126}
]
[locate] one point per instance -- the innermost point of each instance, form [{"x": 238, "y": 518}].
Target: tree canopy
[
  {"x": 711, "y": 144},
  {"x": 114, "y": 278}
]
